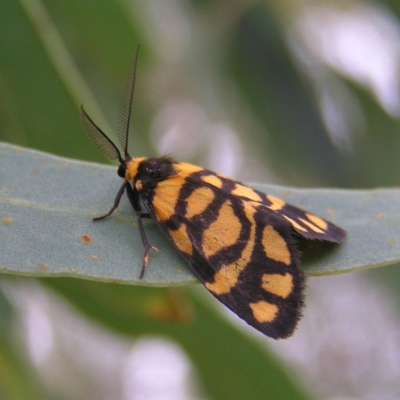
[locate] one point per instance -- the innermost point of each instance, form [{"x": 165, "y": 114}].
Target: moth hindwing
[{"x": 239, "y": 242}]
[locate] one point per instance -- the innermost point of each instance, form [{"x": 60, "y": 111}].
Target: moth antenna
[
  {"x": 126, "y": 105},
  {"x": 99, "y": 138}
]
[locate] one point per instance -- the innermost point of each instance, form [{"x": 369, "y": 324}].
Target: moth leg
[
  {"x": 116, "y": 202},
  {"x": 133, "y": 197},
  {"x": 135, "y": 201},
  {"x": 146, "y": 244}
]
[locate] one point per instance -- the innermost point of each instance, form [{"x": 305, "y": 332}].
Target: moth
[{"x": 239, "y": 242}]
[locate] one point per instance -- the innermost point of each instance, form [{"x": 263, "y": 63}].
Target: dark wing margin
[
  {"x": 99, "y": 138},
  {"x": 126, "y": 105}
]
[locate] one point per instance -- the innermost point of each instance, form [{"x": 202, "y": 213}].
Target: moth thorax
[
  {"x": 132, "y": 167},
  {"x": 138, "y": 185}
]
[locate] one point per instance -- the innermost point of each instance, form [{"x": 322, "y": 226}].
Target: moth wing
[
  {"x": 241, "y": 251},
  {"x": 263, "y": 283},
  {"x": 311, "y": 226},
  {"x": 305, "y": 224}
]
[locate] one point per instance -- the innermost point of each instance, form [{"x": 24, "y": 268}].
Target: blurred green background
[{"x": 301, "y": 93}]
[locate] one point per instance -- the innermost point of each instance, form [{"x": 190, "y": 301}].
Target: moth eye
[{"x": 121, "y": 170}]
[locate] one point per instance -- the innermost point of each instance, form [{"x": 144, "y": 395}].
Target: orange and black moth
[{"x": 239, "y": 242}]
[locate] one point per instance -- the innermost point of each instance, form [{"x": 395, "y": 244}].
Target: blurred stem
[{"x": 62, "y": 60}]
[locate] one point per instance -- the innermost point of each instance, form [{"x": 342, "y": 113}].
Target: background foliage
[{"x": 300, "y": 93}]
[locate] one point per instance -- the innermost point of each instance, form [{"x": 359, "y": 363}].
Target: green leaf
[{"x": 47, "y": 204}]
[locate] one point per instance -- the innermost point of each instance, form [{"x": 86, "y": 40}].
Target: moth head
[{"x": 122, "y": 170}]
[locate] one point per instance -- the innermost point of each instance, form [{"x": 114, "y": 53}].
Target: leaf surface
[{"x": 46, "y": 229}]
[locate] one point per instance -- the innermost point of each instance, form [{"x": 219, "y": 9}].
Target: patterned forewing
[
  {"x": 264, "y": 283},
  {"x": 304, "y": 223},
  {"x": 269, "y": 292},
  {"x": 241, "y": 250}
]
